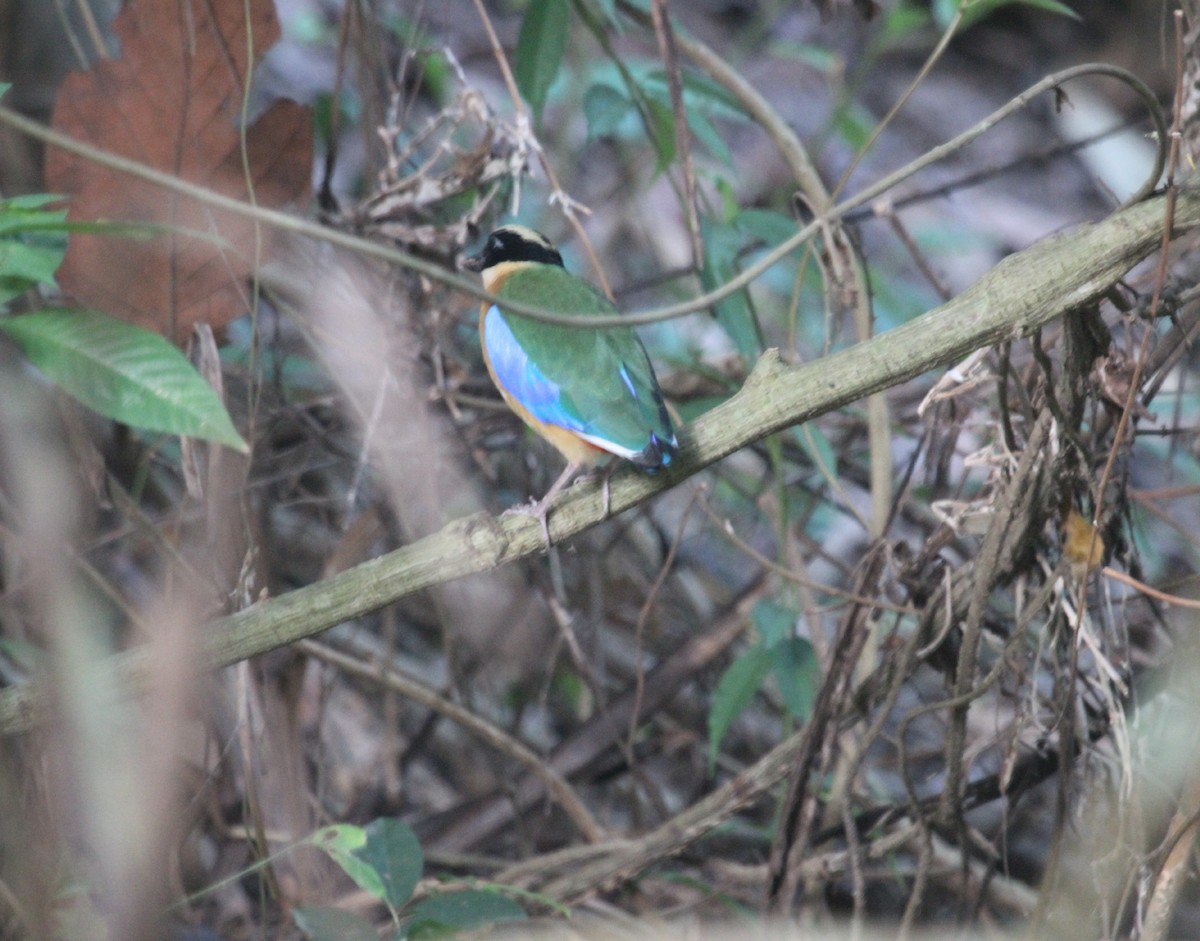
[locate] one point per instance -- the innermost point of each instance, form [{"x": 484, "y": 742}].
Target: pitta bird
[{"x": 590, "y": 392}]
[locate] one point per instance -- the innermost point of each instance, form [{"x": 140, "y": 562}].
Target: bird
[{"x": 591, "y": 392}]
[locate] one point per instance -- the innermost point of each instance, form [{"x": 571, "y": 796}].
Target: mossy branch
[{"x": 1023, "y": 292}]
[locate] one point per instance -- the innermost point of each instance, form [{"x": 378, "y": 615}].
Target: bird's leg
[
  {"x": 604, "y": 475},
  {"x": 606, "y": 481},
  {"x": 540, "y": 509}
]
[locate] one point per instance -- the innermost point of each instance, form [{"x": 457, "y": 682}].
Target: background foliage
[{"x": 901, "y": 663}]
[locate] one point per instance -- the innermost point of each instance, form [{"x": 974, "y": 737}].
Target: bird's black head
[{"x": 513, "y": 243}]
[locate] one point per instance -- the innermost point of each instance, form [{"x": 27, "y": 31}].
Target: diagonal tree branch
[{"x": 1023, "y": 292}]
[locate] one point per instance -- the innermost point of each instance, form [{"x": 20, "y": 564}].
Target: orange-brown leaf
[
  {"x": 1083, "y": 547},
  {"x": 173, "y": 100}
]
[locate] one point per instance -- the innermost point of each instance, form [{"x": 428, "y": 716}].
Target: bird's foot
[
  {"x": 539, "y": 510},
  {"x": 606, "y": 481},
  {"x": 604, "y": 476}
]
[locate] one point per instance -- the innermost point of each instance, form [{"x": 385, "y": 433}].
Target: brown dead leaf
[
  {"x": 1083, "y": 547},
  {"x": 172, "y": 101}
]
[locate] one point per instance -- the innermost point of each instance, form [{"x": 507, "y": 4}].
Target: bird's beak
[{"x": 473, "y": 262}]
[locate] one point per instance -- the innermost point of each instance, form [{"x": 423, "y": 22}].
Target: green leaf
[
  {"x": 393, "y": 851},
  {"x": 448, "y": 913},
  {"x": 855, "y": 124},
  {"x": 976, "y": 10},
  {"x": 739, "y": 683},
  {"x": 698, "y": 91},
  {"x": 605, "y": 108},
  {"x": 797, "y": 672},
  {"x": 773, "y": 621},
  {"x": 708, "y": 135},
  {"x": 730, "y": 207},
  {"x": 700, "y": 96},
  {"x": 903, "y": 23},
  {"x": 323, "y": 923},
  {"x": 341, "y": 842},
  {"x": 662, "y": 132},
  {"x": 340, "y": 839},
  {"x": 944, "y": 10},
  {"x": 722, "y": 243},
  {"x": 32, "y": 243},
  {"x": 23, "y": 266},
  {"x": 123, "y": 372},
  {"x": 793, "y": 660},
  {"x": 766, "y": 225},
  {"x": 698, "y": 86},
  {"x": 28, "y": 202},
  {"x": 541, "y": 45}
]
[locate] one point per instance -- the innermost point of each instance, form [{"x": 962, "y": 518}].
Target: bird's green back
[{"x": 594, "y": 368}]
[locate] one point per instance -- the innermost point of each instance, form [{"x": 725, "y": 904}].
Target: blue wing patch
[
  {"x": 628, "y": 382},
  {"x": 522, "y": 379},
  {"x": 544, "y": 399}
]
